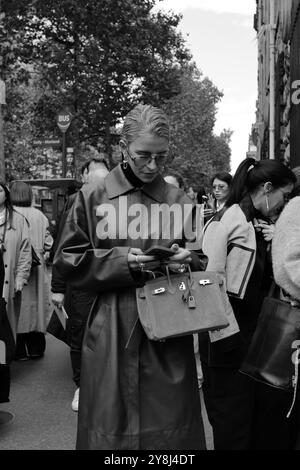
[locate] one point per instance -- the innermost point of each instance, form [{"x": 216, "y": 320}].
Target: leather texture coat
[{"x": 134, "y": 393}]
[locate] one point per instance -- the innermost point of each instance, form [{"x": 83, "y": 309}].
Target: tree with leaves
[
  {"x": 220, "y": 152},
  {"x": 99, "y": 58},
  {"x": 195, "y": 151}
]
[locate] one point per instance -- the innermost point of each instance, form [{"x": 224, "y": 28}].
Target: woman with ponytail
[{"x": 237, "y": 243}]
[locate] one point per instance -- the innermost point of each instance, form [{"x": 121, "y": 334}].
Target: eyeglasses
[{"x": 146, "y": 158}]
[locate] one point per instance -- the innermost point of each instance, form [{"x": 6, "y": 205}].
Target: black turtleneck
[{"x": 131, "y": 177}]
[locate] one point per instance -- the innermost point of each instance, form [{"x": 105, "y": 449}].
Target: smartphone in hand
[{"x": 159, "y": 252}]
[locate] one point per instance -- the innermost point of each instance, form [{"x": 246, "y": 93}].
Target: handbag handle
[
  {"x": 191, "y": 280},
  {"x": 171, "y": 289}
]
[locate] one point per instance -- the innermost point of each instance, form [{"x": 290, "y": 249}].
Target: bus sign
[{"x": 64, "y": 119}]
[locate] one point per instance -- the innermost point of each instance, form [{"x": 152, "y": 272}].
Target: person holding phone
[
  {"x": 134, "y": 393},
  {"x": 221, "y": 186}
]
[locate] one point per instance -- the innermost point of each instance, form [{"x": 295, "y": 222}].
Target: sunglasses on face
[{"x": 145, "y": 158}]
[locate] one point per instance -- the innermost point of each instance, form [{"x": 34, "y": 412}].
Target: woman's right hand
[
  {"x": 136, "y": 258},
  {"x": 267, "y": 230}
]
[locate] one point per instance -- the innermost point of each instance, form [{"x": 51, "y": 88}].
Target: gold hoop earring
[{"x": 125, "y": 164}]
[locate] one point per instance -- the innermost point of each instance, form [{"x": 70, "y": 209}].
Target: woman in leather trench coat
[{"x": 135, "y": 393}]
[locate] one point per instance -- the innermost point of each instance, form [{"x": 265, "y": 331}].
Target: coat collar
[{"x": 117, "y": 184}]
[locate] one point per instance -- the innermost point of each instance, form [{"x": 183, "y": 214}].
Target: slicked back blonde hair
[{"x": 145, "y": 119}]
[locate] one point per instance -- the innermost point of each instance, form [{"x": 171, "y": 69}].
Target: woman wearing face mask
[
  {"x": 237, "y": 406},
  {"x": 134, "y": 393}
]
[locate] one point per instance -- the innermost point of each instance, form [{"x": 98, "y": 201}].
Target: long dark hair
[
  {"x": 7, "y": 203},
  {"x": 252, "y": 173},
  {"x": 222, "y": 176}
]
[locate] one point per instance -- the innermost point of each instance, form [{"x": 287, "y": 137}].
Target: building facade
[{"x": 276, "y": 132}]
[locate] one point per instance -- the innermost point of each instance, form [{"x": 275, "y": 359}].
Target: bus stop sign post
[{"x": 64, "y": 119}]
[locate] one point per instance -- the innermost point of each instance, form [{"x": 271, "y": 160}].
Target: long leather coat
[{"x": 134, "y": 393}]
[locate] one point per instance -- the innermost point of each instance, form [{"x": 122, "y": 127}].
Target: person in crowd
[
  {"x": 286, "y": 243},
  {"x": 205, "y": 208},
  {"x": 126, "y": 379},
  {"x": 238, "y": 406},
  {"x": 77, "y": 302},
  {"x": 286, "y": 266},
  {"x": 94, "y": 168},
  {"x": 5, "y": 416},
  {"x": 35, "y": 306},
  {"x": 220, "y": 191},
  {"x": 15, "y": 264},
  {"x": 191, "y": 193},
  {"x": 175, "y": 179}
]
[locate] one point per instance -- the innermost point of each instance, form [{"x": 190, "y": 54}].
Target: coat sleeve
[
  {"x": 286, "y": 250},
  {"x": 214, "y": 246},
  {"x": 24, "y": 257},
  {"x": 58, "y": 284},
  {"x": 84, "y": 266}
]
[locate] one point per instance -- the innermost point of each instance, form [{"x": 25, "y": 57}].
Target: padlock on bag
[{"x": 182, "y": 304}]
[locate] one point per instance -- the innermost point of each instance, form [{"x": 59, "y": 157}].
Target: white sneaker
[{"x": 75, "y": 401}]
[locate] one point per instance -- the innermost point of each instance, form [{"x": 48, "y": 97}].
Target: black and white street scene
[{"x": 150, "y": 227}]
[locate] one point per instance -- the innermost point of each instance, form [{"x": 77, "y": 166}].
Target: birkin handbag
[
  {"x": 273, "y": 354},
  {"x": 182, "y": 304}
]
